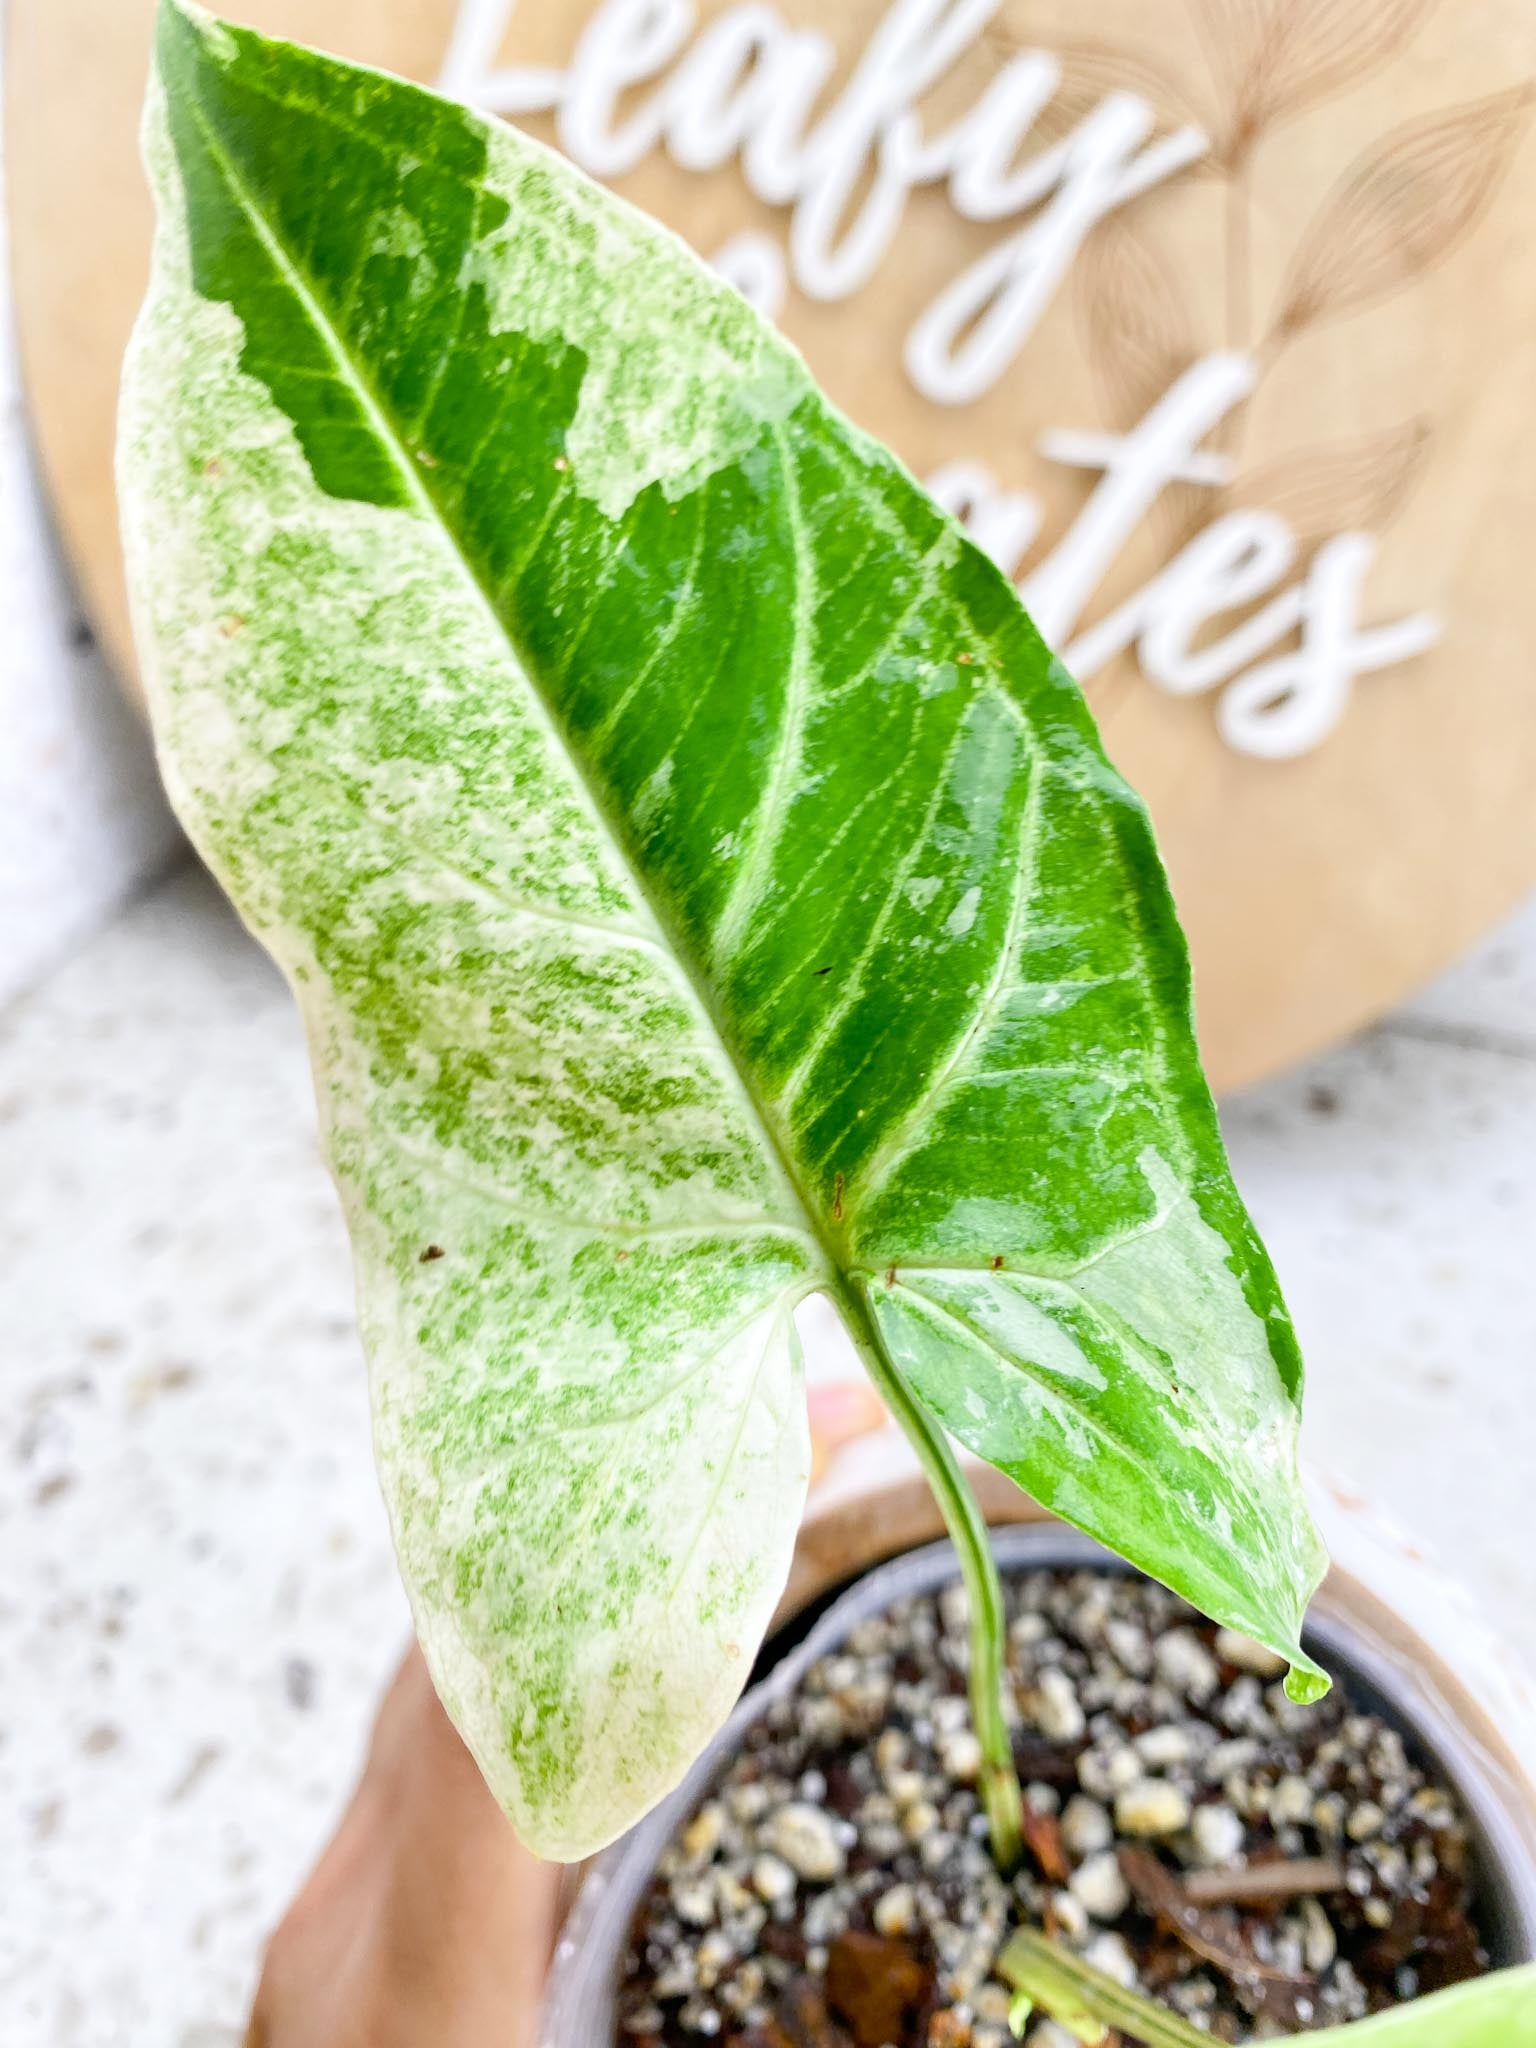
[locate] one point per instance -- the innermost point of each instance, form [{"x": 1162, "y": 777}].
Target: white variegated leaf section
[{"x": 576, "y": 1256}]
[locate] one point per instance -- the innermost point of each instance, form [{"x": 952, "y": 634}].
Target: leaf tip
[
  {"x": 1306, "y": 1684},
  {"x": 186, "y": 17}
]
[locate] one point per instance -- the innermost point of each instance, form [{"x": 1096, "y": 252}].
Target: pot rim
[{"x": 580, "y": 2001}]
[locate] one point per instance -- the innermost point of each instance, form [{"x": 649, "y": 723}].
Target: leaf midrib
[{"x": 352, "y": 371}]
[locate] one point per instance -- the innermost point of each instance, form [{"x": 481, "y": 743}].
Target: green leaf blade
[
  {"x": 1497, "y": 2011},
  {"x": 701, "y": 888}
]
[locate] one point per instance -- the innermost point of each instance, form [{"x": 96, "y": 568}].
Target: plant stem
[
  {"x": 1063, "y": 1985},
  {"x": 1000, "y": 1792}
]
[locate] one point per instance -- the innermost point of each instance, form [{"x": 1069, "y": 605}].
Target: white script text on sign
[{"x": 747, "y": 87}]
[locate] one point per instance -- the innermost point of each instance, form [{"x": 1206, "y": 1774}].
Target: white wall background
[{"x": 82, "y": 822}]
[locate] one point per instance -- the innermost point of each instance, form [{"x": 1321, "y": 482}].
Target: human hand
[
  {"x": 425, "y": 1920},
  {"x": 426, "y": 1924}
]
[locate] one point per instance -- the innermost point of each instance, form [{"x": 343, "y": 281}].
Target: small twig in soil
[
  {"x": 1218, "y": 1936},
  {"x": 1299, "y": 1877}
]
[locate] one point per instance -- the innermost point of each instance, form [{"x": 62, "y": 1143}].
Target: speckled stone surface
[{"x": 197, "y": 1600}]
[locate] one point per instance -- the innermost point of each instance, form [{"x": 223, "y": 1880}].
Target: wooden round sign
[{"x": 1214, "y": 319}]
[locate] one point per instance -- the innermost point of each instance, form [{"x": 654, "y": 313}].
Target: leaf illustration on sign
[
  {"x": 1357, "y": 483},
  {"x": 1091, "y": 71},
  {"x": 1279, "y": 57},
  {"x": 1403, "y": 208},
  {"x": 1132, "y": 312}
]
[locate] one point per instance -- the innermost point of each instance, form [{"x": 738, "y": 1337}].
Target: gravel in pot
[{"x": 1264, "y": 1868}]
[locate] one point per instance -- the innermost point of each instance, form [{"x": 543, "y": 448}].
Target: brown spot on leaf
[{"x": 433, "y": 1251}]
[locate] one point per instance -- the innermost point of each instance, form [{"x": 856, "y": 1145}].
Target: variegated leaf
[
  {"x": 1498, "y": 2011},
  {"x": 701, "y": 888}
]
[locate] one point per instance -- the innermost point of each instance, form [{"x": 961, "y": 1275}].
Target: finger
[{"x": 841, "y": 1412}]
